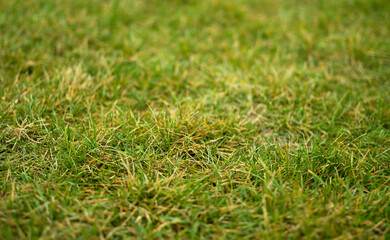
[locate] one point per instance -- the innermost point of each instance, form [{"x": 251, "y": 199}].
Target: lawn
[{"x": 195, "y": 119}]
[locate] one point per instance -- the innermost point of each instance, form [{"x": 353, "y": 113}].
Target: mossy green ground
[{"x": 194, "y": 119}]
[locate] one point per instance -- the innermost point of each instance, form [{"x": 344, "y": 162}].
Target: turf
[{"x": 188, "y": 119}]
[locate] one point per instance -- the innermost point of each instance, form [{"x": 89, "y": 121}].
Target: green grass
[{"x": 188, "y": 119}]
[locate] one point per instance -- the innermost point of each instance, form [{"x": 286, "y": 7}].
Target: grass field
[{"x": 188, "y": 119}]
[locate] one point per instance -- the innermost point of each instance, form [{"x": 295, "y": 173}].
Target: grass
[{"x": 193, "y": 119}]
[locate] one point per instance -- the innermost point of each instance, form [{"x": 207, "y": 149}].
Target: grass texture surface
[{"x": 185, "y": 119}]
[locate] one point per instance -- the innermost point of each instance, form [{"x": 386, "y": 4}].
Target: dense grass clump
[{"x": 195, "y": 119}]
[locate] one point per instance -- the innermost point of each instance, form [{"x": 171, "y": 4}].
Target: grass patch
[{"x": 194, "y": 119}]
